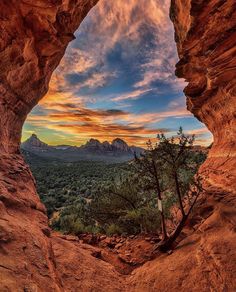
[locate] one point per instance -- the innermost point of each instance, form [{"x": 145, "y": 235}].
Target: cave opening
[
  {"x": 114, "y": 88},
  {"x": 116, "y": 80}
]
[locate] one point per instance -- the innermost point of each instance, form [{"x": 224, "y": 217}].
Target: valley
[
  {"x": 101, "y": 197},
  {"x": 63, "y": 183}
]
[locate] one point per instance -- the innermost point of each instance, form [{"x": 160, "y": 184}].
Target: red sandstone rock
[
  {"x": 33, "y": 39},
  {"x": 80, "y": 270},
  {"x": 206, "y": 41},
  {"x": 34, "y": 36}
]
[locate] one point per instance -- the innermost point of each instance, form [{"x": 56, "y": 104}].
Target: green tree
[
  {"x": 175, "y": 154},
  {"x": 172, "y": 164},
  {"x": 124, "y": 205}
]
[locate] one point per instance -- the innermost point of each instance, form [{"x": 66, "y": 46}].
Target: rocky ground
[
  {"x": 124, "y": 253},
  {"x": 200, "y": 261}
]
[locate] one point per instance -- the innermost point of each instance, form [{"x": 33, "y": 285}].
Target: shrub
[{"x": 113, "y": 229}]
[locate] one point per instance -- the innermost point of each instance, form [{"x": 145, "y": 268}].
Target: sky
[{"x": 117, "y": 80}]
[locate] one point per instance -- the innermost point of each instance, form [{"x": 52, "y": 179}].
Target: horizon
[
  {"x": 100, "y": 141},
  {"x": 41, "y": 139},
  {"x": 117, "y": 79}
]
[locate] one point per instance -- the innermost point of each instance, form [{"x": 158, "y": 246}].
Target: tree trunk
[
  {"x": 177, "y": 187},
  {"x": 165, "y": 236},
  {"x": 166, "y": 245}
]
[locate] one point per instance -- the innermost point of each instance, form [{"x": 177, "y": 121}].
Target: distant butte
[{"x": 116, "y": 151}]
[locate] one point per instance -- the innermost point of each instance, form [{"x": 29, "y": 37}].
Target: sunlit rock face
[
  {"x": 206, "y": 41},
  {"x": 33, "y": 39}
]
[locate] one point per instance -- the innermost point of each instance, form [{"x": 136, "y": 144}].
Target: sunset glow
[{"x": 117, "y": 80}]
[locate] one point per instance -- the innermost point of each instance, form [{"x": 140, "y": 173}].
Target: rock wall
[
  {"x": 205, "y": 32},
  {"x": 33, "y": 39}
]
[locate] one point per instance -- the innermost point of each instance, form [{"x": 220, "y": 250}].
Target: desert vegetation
[{"x": 126, "y": 198}]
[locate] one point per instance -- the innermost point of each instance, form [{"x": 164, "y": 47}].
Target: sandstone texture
[
  {"x": 81, "y": 270},
  {"x": 204, "y": 260},
  {"x": 33, "y": 39},
  {"x": 205, "y": 32}
]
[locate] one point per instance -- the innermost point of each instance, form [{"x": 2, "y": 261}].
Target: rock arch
[{"x": 34, "y": 36}]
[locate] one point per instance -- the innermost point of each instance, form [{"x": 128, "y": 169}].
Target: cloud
[
  {"x": 200, "y": 132},
  {"x": 131, "y": 24},
  {"x": 124, "y": 51},
  {"x": 107, "y": 132},
  {"x": 104, "y": 124},
  {"x": 131, "y": 95}
]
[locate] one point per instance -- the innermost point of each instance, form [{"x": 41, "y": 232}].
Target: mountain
[
  {"x": 116, "y": 151},
  {"x": 34, "y": 143},
  {"x": 120, "y": 145}
]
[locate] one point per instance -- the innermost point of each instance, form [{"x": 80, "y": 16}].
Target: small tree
[
  {"x": 172, "y": 164},
  {"x": 175, "y": 153}
]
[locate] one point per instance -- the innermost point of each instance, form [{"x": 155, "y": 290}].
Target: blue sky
[{"x": 117, "y": 80}]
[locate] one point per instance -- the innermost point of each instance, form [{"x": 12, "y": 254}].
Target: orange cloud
[
  {"x": 67, "y": 118},
  {"x": 65, "y": 110}
]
